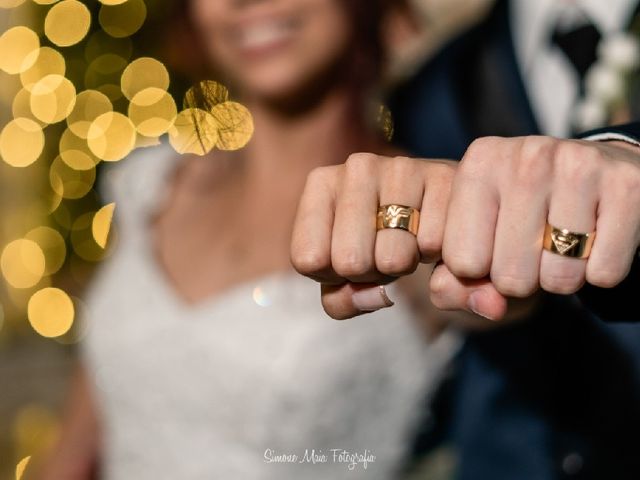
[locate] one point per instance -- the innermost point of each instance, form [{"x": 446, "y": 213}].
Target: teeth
[{"x": 265, "y": 33}]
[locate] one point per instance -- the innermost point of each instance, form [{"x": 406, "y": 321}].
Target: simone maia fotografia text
[{"x": 351, "y": 460}]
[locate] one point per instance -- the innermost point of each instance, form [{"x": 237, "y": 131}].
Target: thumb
[
  {"x": 480, "y": 297},
  {"x": 352, "y": 299}
]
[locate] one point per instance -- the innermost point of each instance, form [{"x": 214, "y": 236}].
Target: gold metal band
[
  {"x": 398, "y": 216},
  {"x": 566, "y": 243}
]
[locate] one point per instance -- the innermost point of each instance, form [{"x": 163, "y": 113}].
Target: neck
[
  {"x": 324, "y": 134},
  {"x": 286, "y": 145}
]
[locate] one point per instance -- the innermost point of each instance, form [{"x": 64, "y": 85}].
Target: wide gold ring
[
  {"x": 398, "y": 216},
  {"x": 567, "y": 243}
]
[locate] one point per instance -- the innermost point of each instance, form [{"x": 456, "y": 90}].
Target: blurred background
[{"x": 79, "y": 86}]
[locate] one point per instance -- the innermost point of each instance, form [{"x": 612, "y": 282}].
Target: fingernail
[
  {"x": 474, "y": 304},
  {"x": 371, "y": 299}
]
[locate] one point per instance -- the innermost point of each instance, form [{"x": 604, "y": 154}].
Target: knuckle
[
  {"x": 361, "y": 162},
  {"x": 310, "y": 262},
  {"x": 577, "y": 163},
  {"x": 478, "y": 155},
  {"x": 438, "y": 283},
  {"x": 466, "y": 266},
  {"x": 321, "y": 176},
  {"x": 400, "y": 168},
  {"x": 351, "y": 263},
  {"x": 625, "y": 182},
  {"x": 563, "y": 283},
  {"x": 605, "y": 277},
  {"x": 482, "y": 146},
  {"x": 440, "y": 171},
  {"x": 514, "y": 285},
  {"x": 532, "y": 166},
  {"x": 397, "y": 265},
  {"x": 430, "y": 246}
]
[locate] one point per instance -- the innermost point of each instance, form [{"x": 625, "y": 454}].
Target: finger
[
  {"x": 402, "y": 183},
  {"x": 354, "y": 228},
  {"x": 434, "y": 211},
  {"x": 517, "y": 246},
  {"x": 616, "y": 241},
  {"x": 350, "y": 300},
  {"x": 479, "y": 297},
  {"x": 471, "y": 221},
  {"x": 573, "y": 206},
  {"x": 311, "y": 238}
]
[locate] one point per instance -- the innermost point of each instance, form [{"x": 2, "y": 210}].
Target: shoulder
[{"x": 136, "y": 184}]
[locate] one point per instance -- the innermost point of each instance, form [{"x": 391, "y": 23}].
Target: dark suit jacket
[{"x": 557, "y": 396}]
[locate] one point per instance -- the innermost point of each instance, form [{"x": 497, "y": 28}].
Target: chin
[
  {"x": 286, "y": 83},
  {"x": 268, "y": 88}
]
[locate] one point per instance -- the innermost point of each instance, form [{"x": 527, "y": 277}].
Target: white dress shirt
[{"x": 549, "y": 77}]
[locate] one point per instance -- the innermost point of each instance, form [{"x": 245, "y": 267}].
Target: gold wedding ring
[
  {"x": 398, "y": 216},
  {"x": 567, "y": 243}
]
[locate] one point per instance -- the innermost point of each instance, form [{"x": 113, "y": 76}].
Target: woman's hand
[{"x": 486, "y": 215}]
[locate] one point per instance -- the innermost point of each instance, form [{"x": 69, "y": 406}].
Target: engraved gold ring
[
  {"x": 398, "y": 216},
  {"x": 567, "y": 243}
]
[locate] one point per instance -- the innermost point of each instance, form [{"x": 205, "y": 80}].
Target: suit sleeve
[{"x": 619, "y": 304}]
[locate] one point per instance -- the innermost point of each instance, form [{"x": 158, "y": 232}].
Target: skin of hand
[{"x": 483, "y": 217}]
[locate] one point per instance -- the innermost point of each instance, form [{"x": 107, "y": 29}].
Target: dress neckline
[{"x": 167, "y": 162}]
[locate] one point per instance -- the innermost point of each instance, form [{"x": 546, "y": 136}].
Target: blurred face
[{"x": 273, "y": 48}]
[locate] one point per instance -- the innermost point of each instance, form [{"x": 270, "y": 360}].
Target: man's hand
[
  {"x": 485, "y": 217},
  {"x": 505, "y": 192}
]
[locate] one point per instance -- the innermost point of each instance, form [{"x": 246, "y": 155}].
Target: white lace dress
[{"x": 243, "y": 385}]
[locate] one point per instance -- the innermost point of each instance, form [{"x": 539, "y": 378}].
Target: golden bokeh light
[
  {"x": 101, "y": 43},
  {"x": 111, "y": 136},
  {"x": 142, "y": 73},
  {"x": 67, "y": 23},
  {"x": 83, "y": 241},
  {"x": 207, "y": 92},
  {"x": 21, "y": 107},
  {"x": 145, "y": 142},
  {"x": 75, "y": 152},
  {"x": 101, "y": 224},
  {"x": 235, "y": 125},
  {"x": 80, "y": 327},
  {"x": 68, "y": 182},
  {"x": 22, "y": 263},
  {"x": 34, "y": 430},
  {"x": 48, "y": 61},
  {"x": 9, "y": 85},
  {"x": 121, "y": 105},
  {"x": 90, "y": 104},
  {"x": 21, "y": 142},
  {"x": 53, "y": 98},
  {"x": 51, "y": 312},
  {"x": 16, "y": 49},
  {"x": 124, "y": 19},
  {"x": 103, "y": 74},
  {"x": 21, "y": 467},
  {"x": 194, "y": 131},
  {"x": 52, "y": 245},
  {"x": 152, "y": 111},
  {"x": 11, "y": 3}
]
